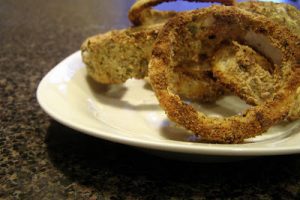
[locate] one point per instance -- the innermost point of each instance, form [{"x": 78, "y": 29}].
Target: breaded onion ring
[
  {"x": 141, "y": 12},
  {"x": 240, "y": 68},
  {"x": 215, "y": 26}
]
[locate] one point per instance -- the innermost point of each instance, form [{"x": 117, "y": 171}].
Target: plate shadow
[
  {"x": 112, "y": 95},
  {"x": 123, "y": 170}
]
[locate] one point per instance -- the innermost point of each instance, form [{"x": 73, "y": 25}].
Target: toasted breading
[
  {"x": 119, "y": 55},
  {"x": 282, "y": 13},
  {"x": 246, "y": 72}
]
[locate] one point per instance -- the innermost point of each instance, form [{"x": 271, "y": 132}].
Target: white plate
[{"x": 130, "y": 114}]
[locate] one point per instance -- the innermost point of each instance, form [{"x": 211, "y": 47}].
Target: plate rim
[{"x": 174, "y": 146}]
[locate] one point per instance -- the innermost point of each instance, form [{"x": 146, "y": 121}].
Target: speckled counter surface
[{"x": 42, "y": 159}]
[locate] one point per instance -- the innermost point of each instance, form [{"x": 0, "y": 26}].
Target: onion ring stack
[
  {"x": 203, "y": 54},
  {"x": 207, "y": 30}
]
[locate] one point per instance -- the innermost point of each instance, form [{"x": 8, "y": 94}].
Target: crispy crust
[
  {"x": 282, "y": 13},
  {"x": 229, "y": 23},
  {"x": 141, "y": 12}
]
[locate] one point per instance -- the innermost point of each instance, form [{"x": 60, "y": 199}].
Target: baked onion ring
[
  {"x": 215, "y": 26},
  {"x": 141, "y": 12},
  {"x": 239, "y": 68}
]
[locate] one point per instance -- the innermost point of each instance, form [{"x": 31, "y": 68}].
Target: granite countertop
[{"x": 42, "y": 159}]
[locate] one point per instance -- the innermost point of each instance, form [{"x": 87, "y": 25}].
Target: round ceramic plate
[{"x": 130, "y": 114}]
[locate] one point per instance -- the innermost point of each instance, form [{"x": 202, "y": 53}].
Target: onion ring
[
  {"x": 238, "y": 68},
  {"x": 221, "y": 24},
  {"x": 141, "y": 12}
]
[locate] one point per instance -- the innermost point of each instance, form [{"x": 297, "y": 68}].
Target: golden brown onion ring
[
  {"x": 215, "y": 26},
  {"x": 238, "y": 67},
  {"x": 141, "y": 12}
]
